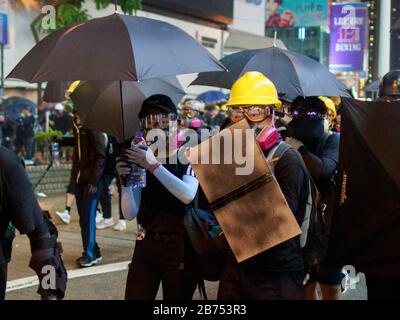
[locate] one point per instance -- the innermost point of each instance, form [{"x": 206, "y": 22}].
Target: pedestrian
[
  {"x": 2, "y": 120},
  {"x": 112, "y": 150},
  {"x": 162, "y": 251},
  {"x": 277, "y": 273},
  {"x": 25, "y": 134},
  {"x": 310, "y": 134},
  {"x": 18, "y": 206},
  {"x": 88, "y": 166}
]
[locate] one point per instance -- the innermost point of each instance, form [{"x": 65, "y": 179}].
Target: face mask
[
  {"x": 267, "y": 137},
  {"x": 326, "y": 125},
  {"x": 304, "y": 128},
  {"x": 195, "y": 123}
]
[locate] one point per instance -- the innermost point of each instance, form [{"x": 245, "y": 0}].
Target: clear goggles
[
  {"x": 157, "y": 121},
  {"x": 253, "y": 113}
]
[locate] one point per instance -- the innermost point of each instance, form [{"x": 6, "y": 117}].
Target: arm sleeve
[
  {"x": 290, "y": 176},
  {"x": 185, "y": 190},
  {"x": 130, "y": 202},
  {"x": 325, "y": 165},
  {"x": 24, "y": 210},
  {"x": 100, "y": 157}
]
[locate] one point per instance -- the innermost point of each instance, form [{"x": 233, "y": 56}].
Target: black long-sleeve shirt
[
  {"x": 18, "y": 203},
  {"x": 292, "y": 178}
]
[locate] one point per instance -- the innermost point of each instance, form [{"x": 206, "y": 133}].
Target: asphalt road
[{"x": 109, "y": 282}]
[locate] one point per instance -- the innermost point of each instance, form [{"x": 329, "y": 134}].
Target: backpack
[
  {"x": 207, "y": 240},
  {"x": 313, "y": 238}
]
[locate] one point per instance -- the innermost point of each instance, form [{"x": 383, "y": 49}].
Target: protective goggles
[
  {"x": 253, "y": 113},
  {"x": 308, "y": 114},
  {"x": 157, "y": 121}
]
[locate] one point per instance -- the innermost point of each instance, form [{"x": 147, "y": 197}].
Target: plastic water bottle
[
  {"x": 55, "y": 153},
  {"x": 138, "y": 174}
]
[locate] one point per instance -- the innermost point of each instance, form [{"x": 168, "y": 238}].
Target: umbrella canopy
[
  {"x": 115, "y": 47},
  {"x": 212, "y": 97},
  {"x": 373, "y": 86},
  {"x": 366, "y": 226},
  {"x": 396, "y": 25},
  {"x": 55, "y": 91},
  {"x": 13, "y": 106},
  {"x": 293, "y": 74},
  {"x": 98, "y": 103}
]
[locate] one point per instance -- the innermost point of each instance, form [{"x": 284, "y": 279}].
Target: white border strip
[{"x": 72, "y": 274}]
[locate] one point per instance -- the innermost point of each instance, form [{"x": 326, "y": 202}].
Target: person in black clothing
[
  {"x": 162, "y": 252},
  {"x": 310, "y": 135},
  {"x": 112, "y": 150},
  {"x": 19, "y": 206},
  {"x": 277, "y": 273},
  {"x": 25, "y": 134},
  {"x": 87, "y": 169}
]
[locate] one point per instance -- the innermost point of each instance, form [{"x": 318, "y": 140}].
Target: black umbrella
[
  {"x": 115, "y": 47},
  {"x": 97, "y": 103},
  {"x": 366, "y": 226},
  {"x": 292, "y": 73},
  {"x": 13, "y": 106},
  {"x": 373, "y": 86},
  {"x": 55, "y": 91},
  {"x": 395, "y": 26}
]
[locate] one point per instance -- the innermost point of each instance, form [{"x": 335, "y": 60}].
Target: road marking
[{"x": 72, "y": 274}]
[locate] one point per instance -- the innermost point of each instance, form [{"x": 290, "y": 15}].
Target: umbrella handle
[{"x": 116, "y": 6}]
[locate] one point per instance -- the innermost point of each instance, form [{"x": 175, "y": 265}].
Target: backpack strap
[{"x": 277, "y": 152}]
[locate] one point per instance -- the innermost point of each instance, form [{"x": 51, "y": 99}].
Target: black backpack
[{"x": 313, "y": 239}]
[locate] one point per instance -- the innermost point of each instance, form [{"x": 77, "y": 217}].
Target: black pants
[
  {"x": 236, "y": 283},
  {"x": 157, "y": 258},
  {"x": 105, "y": 197},
  {"x": 87, "y": 205},
  {"x": 5, "y": 257},
  {"x": 3, "y": 280},
  {"x": 382, "y": 289}
]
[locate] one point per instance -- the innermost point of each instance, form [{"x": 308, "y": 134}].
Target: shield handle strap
[{"x": 240, "y": 192}]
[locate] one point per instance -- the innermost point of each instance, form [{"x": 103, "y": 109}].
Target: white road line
[{"x": 72, "y": 274}]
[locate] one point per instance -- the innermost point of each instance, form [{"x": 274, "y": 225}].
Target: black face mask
[{"x": 304, "y": 128}]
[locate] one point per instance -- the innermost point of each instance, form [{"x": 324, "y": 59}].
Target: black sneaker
[{"x": 86, "y": 261}]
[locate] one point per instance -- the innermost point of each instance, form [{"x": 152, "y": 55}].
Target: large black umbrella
[
  {"x": 98, "y": 103},
  {"x": 55, "y": 91},
  {"x": 293, "y": 74},
  {"x": 366, "y": 226},
  {"x": 115, "y": 47}
]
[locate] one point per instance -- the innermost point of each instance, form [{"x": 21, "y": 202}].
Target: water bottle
[
  {"x": 138, "y": 174},
  {"x": 55, "y": 153}
]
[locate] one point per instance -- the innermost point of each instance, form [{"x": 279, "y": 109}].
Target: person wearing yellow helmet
[
  {"x": 276, "y": 273},
  {"x": 331, "y": 110},
  {"x": 319, "y": 147}
]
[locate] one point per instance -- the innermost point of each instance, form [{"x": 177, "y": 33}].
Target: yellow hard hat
[
  {"x": 336, "y": 100},
  {"x": 330, "y": 106},
  {"x": 253, "y": 88},
  {"x": 73, "y": 86}
]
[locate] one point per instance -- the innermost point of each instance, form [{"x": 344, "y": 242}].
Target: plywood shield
[{"x": 245, "y": 196}]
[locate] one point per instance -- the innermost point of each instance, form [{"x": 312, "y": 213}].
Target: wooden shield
[{"x": 245, "y": 196}]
